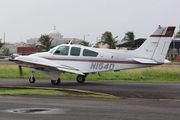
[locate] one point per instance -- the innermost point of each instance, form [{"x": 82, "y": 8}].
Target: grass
[
  {"x": 99, "y": 96},
  {"x": 32, "y": 92},
  {"x": 50, "y": 92},
  {"x": 164, "y": 73}
]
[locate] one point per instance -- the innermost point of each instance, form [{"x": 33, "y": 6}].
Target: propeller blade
[{"x": 20, "y": 70}]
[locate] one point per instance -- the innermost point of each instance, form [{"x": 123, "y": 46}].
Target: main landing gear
[{"x": 81, "y": 78}]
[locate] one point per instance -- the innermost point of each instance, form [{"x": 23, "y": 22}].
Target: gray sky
[{"x": 24, "y": 19}]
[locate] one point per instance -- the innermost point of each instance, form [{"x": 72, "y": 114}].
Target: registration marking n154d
[{"x": 101, "y": 66}]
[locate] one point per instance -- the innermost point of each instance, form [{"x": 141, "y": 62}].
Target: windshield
[
  {"x": 52, "y": 50},
  {"x": 62, "y": 50}
]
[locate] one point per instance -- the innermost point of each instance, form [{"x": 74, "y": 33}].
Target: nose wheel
[
  {"x": 56, "y": 82},
  {"x": 32, "y": 78}
]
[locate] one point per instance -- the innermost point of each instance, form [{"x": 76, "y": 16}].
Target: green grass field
[
  {"x": 163, "y": 73},
  {"x": 51, "y": 92}
]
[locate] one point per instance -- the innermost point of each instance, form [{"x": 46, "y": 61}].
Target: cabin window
[
  {"x": 89, "y": 53},
  {"x": 62, "y": 50},
  {"x": 75, "y": 51}
]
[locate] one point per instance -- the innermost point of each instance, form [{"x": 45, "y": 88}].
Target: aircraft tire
[
  {"x": 80, "y": 78},
  {"x": 56, "y": 82},
  {"x": 32, "y": 80}
]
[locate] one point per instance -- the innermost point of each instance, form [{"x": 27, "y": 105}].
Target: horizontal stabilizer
[
  {"x": 145, "y": 61},
  {"x": 166, "y": 61}
]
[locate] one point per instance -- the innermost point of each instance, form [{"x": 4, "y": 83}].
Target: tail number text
[{"x": 100, "y": 66}]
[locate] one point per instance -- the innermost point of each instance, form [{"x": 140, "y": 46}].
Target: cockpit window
[
  {"x": 62, "y": 50},
  {"x": 52, "y": 50},
  {"x": 89, "y": 53},
  {"x": 75, "y": 51}
]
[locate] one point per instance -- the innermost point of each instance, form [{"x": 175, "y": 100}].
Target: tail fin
[{"x": 156, "y": 46}]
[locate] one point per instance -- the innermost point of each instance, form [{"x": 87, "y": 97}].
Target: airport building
[
  {"x": 23, "y": 47},
  {"x": 57, "y": 38}
]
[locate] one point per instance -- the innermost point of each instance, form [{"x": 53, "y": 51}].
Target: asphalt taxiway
[
  {"x": 142, "y": 101},
  {"x": 122, "y": 89}
]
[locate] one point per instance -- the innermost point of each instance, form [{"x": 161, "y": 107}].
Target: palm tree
[
  {"x": 107, "y": 38},
  {"x": 129, "y": 38},
  {"x": 6, "y": 51},
  {"x": 1, "y": 44},
  {"x": 45, "y": 41}
]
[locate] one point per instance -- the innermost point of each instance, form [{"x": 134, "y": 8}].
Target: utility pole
[
  {"x": 4, "y": 40},
  {"x": 174, "y": 47},
  {"x": 85, "y": 37},
  {"x": 4, "y": 37}
]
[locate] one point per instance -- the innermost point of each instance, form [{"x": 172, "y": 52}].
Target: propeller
[{"x": 20, "y": 70}]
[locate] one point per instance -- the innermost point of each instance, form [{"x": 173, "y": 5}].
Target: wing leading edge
[{"x": 37, "y": 62}]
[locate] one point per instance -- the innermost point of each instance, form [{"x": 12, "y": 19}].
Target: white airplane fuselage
[{"x": 106, "y": 60}]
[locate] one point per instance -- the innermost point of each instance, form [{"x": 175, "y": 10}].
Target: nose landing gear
[{"x": 32, "y": 78}]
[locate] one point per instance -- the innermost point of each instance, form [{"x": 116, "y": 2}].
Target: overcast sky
[{"x": 24, "y": 19}]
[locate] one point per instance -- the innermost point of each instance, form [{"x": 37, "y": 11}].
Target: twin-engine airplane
[{"x": 81, "y": 60}]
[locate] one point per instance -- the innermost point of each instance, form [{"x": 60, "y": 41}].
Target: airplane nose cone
[{"x": 26, "y": 58}]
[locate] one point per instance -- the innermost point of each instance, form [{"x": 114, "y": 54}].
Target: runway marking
[{"x": 64, "y": 89}]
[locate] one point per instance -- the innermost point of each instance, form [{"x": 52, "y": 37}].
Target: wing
[{"x": 42, "y": 63}]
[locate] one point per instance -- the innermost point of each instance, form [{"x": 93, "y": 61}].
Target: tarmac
[{"x": 140, "y": 101}]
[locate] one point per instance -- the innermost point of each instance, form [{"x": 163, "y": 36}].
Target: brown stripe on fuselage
[{"x": 106, "y": 61}]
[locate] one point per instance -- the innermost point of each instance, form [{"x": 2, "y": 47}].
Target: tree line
[{"x": 106, "y": 38}]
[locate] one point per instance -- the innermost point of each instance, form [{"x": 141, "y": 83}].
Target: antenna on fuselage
[{"x": 71, "y": 41}]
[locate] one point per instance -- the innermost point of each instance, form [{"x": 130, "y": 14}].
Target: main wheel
[
  {"x": 80, "y": 78},
  {"x": 32, "y": 80},
  {"x": 56, "y": 82}
]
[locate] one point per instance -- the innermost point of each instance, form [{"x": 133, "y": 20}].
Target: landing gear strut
[
  {"x": 32, "y": 78},
  {"x": 56, "y": 82}
]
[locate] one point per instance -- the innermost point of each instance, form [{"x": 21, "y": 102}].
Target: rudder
[{"x": 163, "y": 44}]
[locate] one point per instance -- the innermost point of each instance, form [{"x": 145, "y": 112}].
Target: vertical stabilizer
[{"x": 156, "y": 46}]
